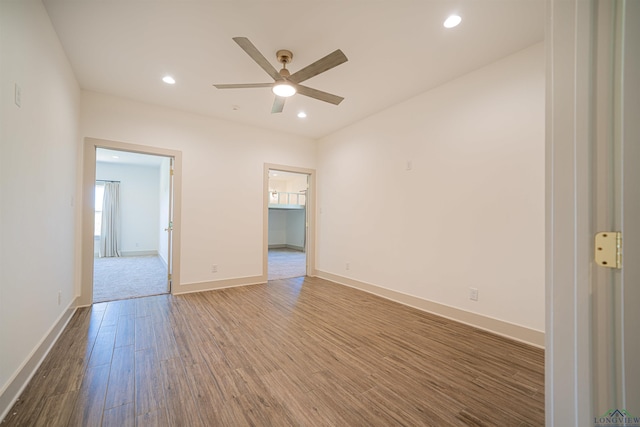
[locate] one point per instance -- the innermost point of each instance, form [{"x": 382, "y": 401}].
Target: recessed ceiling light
[
  {"x": 169, "y": 80},
  {"x": 115, "y": 157},
  {"x": 302, "y": 114},
  {"x": 452, "y": 21}
]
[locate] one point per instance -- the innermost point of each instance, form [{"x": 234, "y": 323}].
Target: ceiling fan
[{"x": 286, "y": 84}]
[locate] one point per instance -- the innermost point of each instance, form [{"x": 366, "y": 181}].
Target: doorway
[
  {"x": 132, "y": 211},
  {"x": 289, "y": 221},
  {"x": 287, "y": 224},
  {"x": 148, "y": 242}
]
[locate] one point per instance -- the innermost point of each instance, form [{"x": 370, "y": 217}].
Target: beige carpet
[
  {"x": 128, "y": 277},
  {"x": 286, "y": 263}
]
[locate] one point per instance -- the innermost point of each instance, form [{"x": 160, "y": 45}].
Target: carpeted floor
[
  {"x": 128, "y": 277},
  {"x": 286, "y": 263}
]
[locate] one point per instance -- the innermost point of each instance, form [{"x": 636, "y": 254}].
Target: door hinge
[
  {"x": 171, "y": 171},
  {"x": 169, "y": 276},
  {"x": 608, "y": 249}
]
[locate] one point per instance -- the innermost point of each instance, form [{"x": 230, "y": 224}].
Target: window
[{"x": 98, "y": 208}]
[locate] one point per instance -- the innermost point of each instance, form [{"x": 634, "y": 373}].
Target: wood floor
[{"x": 300, "y": 352}]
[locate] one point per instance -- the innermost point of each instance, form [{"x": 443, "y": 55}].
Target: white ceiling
[{"x": 396, "y": 49}]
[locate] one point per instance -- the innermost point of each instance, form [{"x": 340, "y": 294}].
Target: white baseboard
[
  {"x": 499, "y": 327},
  {"x": 283, "y": 246},
  {"x": 217, "y": 284},
  {"x": 139, "y": 253},
  {"x": 15, "y": 386},
  {"x": 133, "y": 253}
]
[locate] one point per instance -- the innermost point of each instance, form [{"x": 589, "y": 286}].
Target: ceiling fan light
[{"x": 284, "y": 89}]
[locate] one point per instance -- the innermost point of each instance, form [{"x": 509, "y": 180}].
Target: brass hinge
[
  {"x": 608, "y": 249},
  {"x": 171, "y": 171},
  {"x": 169, "y": 276}
]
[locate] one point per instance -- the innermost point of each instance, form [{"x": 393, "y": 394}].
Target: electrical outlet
[
  {"x": 347, "y": 266},
  {"x": 59, "y": 297},
  {"x": 214, "y": 268},
  {"x": 473, "y": 294}
]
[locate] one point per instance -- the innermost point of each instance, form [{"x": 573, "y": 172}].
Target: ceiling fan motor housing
[{"x": 284, "y": 56}]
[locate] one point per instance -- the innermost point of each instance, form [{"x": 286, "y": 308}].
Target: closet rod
[{"x": 105, "y": 180}]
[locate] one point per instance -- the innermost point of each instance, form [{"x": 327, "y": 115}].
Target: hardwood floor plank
[
  {"x": 207, "y": 389},
  {"x": 156, "y": 418},
  {"x": 142, "y": 307},
  {"x": 56, "y": 410},
  {"x": 148, "y": 382},
  {"x": 28, "y": 406},
  {"x": 89, "y": 405},
  {"x": 343, "y": 404},
  {"x": 121, "y": 389},
  {"x": 111, "y": 314},
  {"x": 127, "y": 306},
  {"x": 125, "y": 332},
  {"x": 67, "y": 377},
  {"x": 299, "y": 352},
  {"x": 103, "y": 347},
  {"x": 302, "y": 406},
  {"x": 120, "y": 416},
  {"x": 181, "y": 405},
  {"x": 166, "y": 346},
  {"x": 144, "y": 337}
]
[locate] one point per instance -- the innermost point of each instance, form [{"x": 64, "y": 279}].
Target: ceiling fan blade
[
  {"x": 243, "y": 85},
  {"x": 320, "y": 95},
  {"x": 255, "y": 54},
  {"x": 320, "y": 66},
  {"x": 278, "y": 104}
]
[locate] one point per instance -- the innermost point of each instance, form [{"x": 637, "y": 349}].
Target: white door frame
[
  {"x": 569, "y": 149},
  {"x": 88, "y": 209},
  {"x": 575, "y": 121},
  {"x": 310, "y": 237}
]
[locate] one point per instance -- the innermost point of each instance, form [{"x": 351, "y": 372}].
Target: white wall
[
  {"x": 222, "y": 220},
  {"x": 287, "y": 227},
  {"x": 139, "y": 205},
  {"x": 296, "y": 228},
  {"x": 468, "y": 213},
  {"x": 37, "y": 184},
  {"x": 277, "y": 227}
]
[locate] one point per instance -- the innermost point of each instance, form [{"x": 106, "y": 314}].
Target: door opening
[
  {"x": 287, "y": 224},
  {"x": 132, "y": 225}
]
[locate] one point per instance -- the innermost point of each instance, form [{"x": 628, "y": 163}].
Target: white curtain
[{"x": 110, "y": 232}]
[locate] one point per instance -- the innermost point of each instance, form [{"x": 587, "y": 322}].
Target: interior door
[{"x": 616, "y": 294}]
